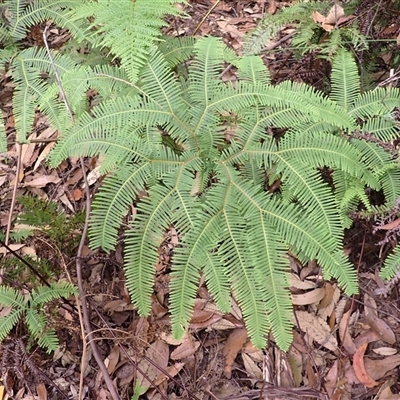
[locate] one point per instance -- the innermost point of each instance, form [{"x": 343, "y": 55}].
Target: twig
[
  {"x": 277, "y": 43},
  {"x": 89, "y": 335},
  {"x": 205, "y": 17}
]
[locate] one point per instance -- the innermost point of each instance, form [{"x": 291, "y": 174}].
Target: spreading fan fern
[
  {"x": 170, "y": 136},
  {"x": 31, "y": 307},
  {"x": 204, "y": 154}
]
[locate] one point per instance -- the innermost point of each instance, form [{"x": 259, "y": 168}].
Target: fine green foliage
[
  {"x": 31, "y": 307},
  {"x": 46, "y": 216},
  {"x": 308, "y": 35},
  {"x": 196, "y": 153},
  {"x": 200, "y": 149},
  {"x": 126, "y": 29}
]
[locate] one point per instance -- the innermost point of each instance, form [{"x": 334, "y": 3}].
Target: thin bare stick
[
  {"x": 14, "y": 195},
  {"x": 86, "y": 319},
  {"x": 205, "y": 17}
]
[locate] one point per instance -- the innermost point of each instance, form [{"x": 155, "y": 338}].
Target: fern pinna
[{"x": 201, "y": 150}]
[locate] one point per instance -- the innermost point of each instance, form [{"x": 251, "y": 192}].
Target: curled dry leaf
[
  {"x": 379, "y": 326},
  {"x": 390, "y": 225},
  {"x": 359, "y": 367},
  {"x": 344, "y": 334},
  {"x": 112, "y": 360},
  {"x": 335, "y": 17},
  {"x": 296, "y": 282},
  {"x": 311, "y": 297},
  {"x": 236, "y": 340},
  {"x": 41, "y": 391},
  {"x": 157, "y": 352},
  {"x": 42, "y": 181}
]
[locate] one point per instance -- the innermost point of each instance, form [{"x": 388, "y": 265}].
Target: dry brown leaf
[
  {"x": 295, "y": 360},
  {"x": 42, "y": 181},
  {"x": 12, "y": 246},
  {"x": 382, "y": 329},
  {"x": 296, "y": 282},
  {"x": 186, "y": 349},
  {"x": 385, "y": 351},
  {"x": 41, "y": 391},
  {"x": 158, "y": 352},
  {"x": 223, "y": 325},
  {"x": 377, "y": 369},
  {"x": 43, "y": 155},
  {"x": 172, "y": 371},
  {"x": 168, "y": 338},
  {"x": 271, "y": 7},
  {"x": 329, "y": 290},
  {"x": 311, "y": 297},
  {"x": 27, "y": 151},
  {"x": 344, "y": 334},
  {"x": 331, "y": 379},
  {"x": 202, "y": 318},
  {"x": 112, "y": 360},
  {"x": 359, "y": 367},
  {"x": 335, "y": 15},
  {"x": 236, "y": 340},
  {"x": 387, "y": 394},
  {"x": 317, "y": 329},
  {"x": 331, "y": 299},
  {"x": 367, "y": 336},
  {"x": 117, "y": 306},
  {"x": 252, "y": 369},
  {"x": 390, "y": 225}
]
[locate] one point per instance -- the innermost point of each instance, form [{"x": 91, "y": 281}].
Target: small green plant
[
  {"x": 308, "y": 35},
  {"x": 46, "y": 217},
  {"x": 32, "y": 308}
]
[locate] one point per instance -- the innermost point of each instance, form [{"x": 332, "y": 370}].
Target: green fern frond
[
  {"x": 392, "y": 265},
  {"x": 25, "y": 14},
  {"x": 129, "y": 29},
  {"x": 378, "y": 102},
  {"x": 38, "y": 329},
  {"x": 9, "y": 321},
  {"x": 168, "y": 149},
  {"x": 9, "y": 297},
  {"x": 345, "y": 80},
  {"x": 45, "y": 294}
]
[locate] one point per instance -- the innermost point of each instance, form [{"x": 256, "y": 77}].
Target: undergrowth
[{"x": 194, "y": 152}]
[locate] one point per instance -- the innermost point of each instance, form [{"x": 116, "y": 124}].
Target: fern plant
[
  {"x": 200, "y": 149},
  {"x": 31, "y": 308},
  {"x": 308, "y": 34},
  {"x": 99, "y": 24}
]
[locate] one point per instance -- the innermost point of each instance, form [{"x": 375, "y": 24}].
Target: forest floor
[{"x": 343, "y": 348}]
